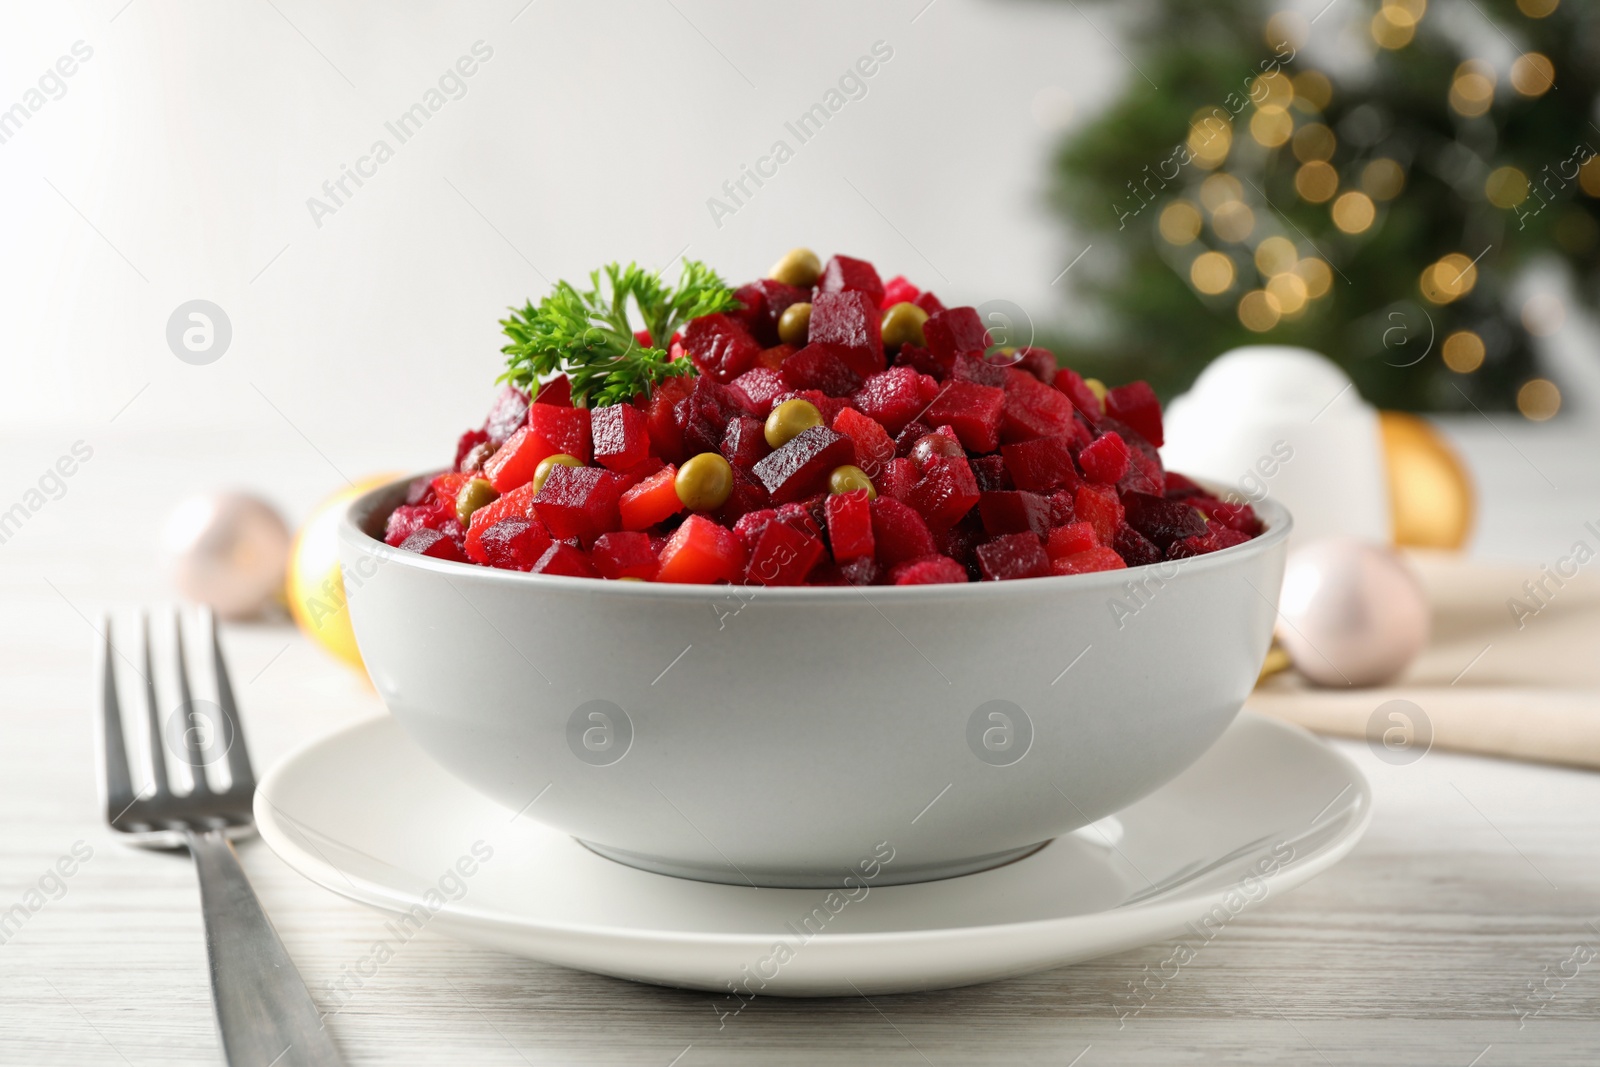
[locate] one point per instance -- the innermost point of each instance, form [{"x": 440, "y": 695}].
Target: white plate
[{"x": 366, "y": 814}]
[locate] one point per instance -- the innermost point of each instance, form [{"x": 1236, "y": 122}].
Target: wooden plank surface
[{"x": 1476, "y": 883}]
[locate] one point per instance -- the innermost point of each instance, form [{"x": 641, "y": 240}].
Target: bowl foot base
[{"x": 810, "y": 878}]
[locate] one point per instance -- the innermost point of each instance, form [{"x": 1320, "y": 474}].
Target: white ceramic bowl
[{"x": 796, "y": 737}]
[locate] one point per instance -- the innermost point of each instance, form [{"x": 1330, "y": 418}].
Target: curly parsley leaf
[{"x": 588, "y": 334}]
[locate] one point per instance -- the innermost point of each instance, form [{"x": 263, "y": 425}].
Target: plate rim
[{"x": 1154, "y": 914}]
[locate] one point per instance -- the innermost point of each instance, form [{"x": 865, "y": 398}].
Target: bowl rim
[{"x": 352, "y": 531}]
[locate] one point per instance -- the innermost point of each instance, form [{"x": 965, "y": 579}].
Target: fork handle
[{"x": 265, "y": 1014}]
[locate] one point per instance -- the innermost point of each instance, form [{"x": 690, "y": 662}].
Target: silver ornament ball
[
  {"x": 228, "y": 551},
  {"x": 1351, "y": 613}
]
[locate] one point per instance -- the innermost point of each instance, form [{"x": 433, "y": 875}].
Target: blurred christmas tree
[{"x": 1374, "y": 205}]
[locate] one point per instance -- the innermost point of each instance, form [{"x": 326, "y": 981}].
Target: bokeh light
[
  {"x": 1220, "y": 189},
  {"x": 1274, "y": 255},
  {"x": 1506, "y": 187},
  {"x": 1314, "y": 142},
  {"x": 1472, "y": 89},
  {"x": 1317, "y": 275},
  {"x": 1537, "y": 9},
  {"x": 1180, "y": 222},
  {"x": 1312, "y": 90},
  {"x": 1383, "y": 178},
  {"x": 1450, "y": 278},
  {"x": 1233, "y": 221},
  {"x": 1271, "y": 126},
  {"x": 1463, "y": 351},
  {"x": 1539, "y": 399},
  {"x": 1258, "y": 310},
  {"x": 1316, "y": 182},
  {"x": 1289, "y": 290},
  {"x": 1212, "y": 273},
  {"x": 1354, "y": 212},
  {"x": 1533, "y": 74}
]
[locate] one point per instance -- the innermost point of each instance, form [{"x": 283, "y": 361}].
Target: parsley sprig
[{"x": 587, "y": 333}]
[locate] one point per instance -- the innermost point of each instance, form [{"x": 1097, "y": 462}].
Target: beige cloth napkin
[{"x": 1489, "y": 681}]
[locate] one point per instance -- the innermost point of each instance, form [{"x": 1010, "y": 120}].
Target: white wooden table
[{"x": 1476, "y": 884}]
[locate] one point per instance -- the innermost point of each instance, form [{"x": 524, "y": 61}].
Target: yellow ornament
[
  {"x": 315, "y": 585},
  {"x": 1431, "y": 501}
]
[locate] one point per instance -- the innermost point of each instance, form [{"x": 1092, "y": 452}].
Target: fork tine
[
  {"x": 158, "y": 748},
  {"x": 119, "y": 790},
  {"x": 191, "y": 743},
  {"x": 243, "y": 778}
]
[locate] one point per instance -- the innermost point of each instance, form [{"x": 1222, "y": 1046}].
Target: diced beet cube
[
  {"x": 748, "y": 494},
  {"x": 1144, "y": 470},
  {"x": 1161, "y": 520},
  {"x": 510, "y": 410},
  {"x": 1105, "y": 460},
  {"x": 923, "y": 361},
  {"x": 1039, "y": 362},
  {"x": 419, "y": 491},
  {"x": 1099, "y": 558},
  {"x": 960, "y": 542},
  {"x": 1240, "y": 517},
  {"x": 579, "y": 502},
  {"x": 801, "y": 467},
  {"x": 566, "y": 429},
  {"x": 1071, "y": 384},
  {"x": 466, "y": 443},
  {"x": 1015, "y": 512},
  {"x": 751, "y": 312},
  {"x": 619, "y": 437},
  {"x": 1041, "y": 464},
  {"x": 624, "y": 554},
  {"x": 1033, "y": 409},
  {"x": 899, "y": 532},
  {"x": 1135, "y": 548},
  {"x": 445, "y": 488},
  {"x": 850, "y": 525},
  {"x": 899, "y": 291},
  {"x": 973, "y": 411},
  {"x": 517, "y": 504},
  {"x": 557, "y": 392},
  {"x": 850, "y": 320},
  {"x": 433, "y": 543},
  {"x": 564, "y": 560},
  {"x": 514, "y": 462},
  {"x": 972, "y": 367},
  {"x": 1136, "y": 405},
  {"x": 898, "y": 478},
  {"x": 1099, "y": 507},
  {"x": 765, "y": 302},
  {"x": 513, "y": 544},
  {"x": 907, "y": 439},
  {"x": 945, "y": 491},
  {"x": 651, "y": 501},
  {"x": 928, "y": 570},
  {"x": 772, "y": 358},
  {"x": 645, "y": 468},
  {"x": 1071, "y": 539},
  {"x": 703, "y": 415},
  {"x": 863, "y": 571},
  {"x": 1179, "y": 486},
  {"x": 745, "y": 442},
  {"x": 701, "y": 551},
  {"x": 782, "y": 556},
  {"x": 843, "y": 274},
  {"x": 1215, "y": 538},
  {"x": 407, "y": 519},
  {"x": 950, "y": 333},
  {"x": 757, "y": 388},
  {"x": 874, "y": 446},
  {"x": 666, "y": 437},
  {"x": 720, "y": 346},
  {"x": 749, "y": 525},
  {"x": 991, "y": 473},
  {"x": 1063, "y": 507},
  {"x": 822, "y": 366},
  {"x": 1017, "y": 555},
  {"x": 929, "y": 303}
]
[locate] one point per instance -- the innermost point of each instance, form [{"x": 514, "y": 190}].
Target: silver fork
[{"x": 265, "y": 1014}]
